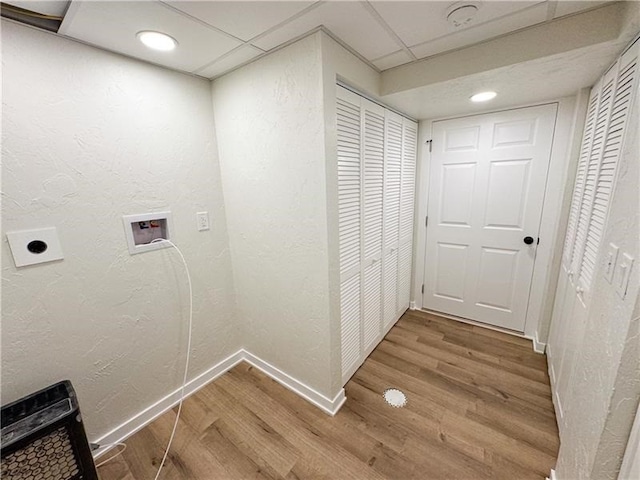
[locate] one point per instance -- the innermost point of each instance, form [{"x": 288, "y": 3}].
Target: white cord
[
  {"x": 186, "y": 363},
  {"x": 118, "y": 453}
]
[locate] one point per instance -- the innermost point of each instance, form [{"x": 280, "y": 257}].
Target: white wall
[
  {"x": 604, "y": 386},
  {"x": 88, "y": 136},
  {"x": 270, "y": 129}
]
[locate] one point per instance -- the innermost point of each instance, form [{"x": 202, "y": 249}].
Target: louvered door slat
[
  {"x": 349, "y": 179},
  {"x": 408, "y": 178},
  {"x": 350, "y": 323},
  {"x": 392, "y": 178},
  {"x": 373, "y": 165},
  {"x": 593, "y": 166},
  {"x": 390, "y": 287},
  {"x": 349, "y": 149},
  {"x": 578, "y": 190},
  {"x": 404, "y": 276},
  {"x": 372, "y": 301}
]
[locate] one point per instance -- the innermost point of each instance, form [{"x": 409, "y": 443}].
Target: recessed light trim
[
  {"x": 157, "y": 40},
  {"x": 483, "y": 96}
]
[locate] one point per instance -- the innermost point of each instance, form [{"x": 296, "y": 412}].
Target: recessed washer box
[
  {"x": 30, "y": 247},
  {"x": 141, "y": 230}
]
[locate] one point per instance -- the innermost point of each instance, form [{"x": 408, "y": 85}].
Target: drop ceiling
[{"x": 215, "y": 37}]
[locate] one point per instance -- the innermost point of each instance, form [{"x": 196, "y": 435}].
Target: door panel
[
  {"x": 487, "y": 181},
  {"x": 451, "y": 271},
  {"x": 507, "y": 194}
]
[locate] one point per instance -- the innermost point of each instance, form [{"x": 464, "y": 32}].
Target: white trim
[
  {"x": 422, "y": 197},
  {"x": 312, "y": 396},
  {"x": 149, "y": 414},
  {"x": 538, "y": 346},
  {"x": 552, "y": 475},
  {"x": 412, "y": 306}
]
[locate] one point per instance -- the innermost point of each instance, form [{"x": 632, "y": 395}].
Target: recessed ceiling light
[
  {"x": 157, "y": 40},
  {"x": 483, "y": 96}
]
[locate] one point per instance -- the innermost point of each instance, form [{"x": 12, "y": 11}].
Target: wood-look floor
[{"x": 479, "y": 406}]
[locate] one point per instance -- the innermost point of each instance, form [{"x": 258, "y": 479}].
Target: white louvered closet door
[
  {"x": 373, "y": 188},
  {"x": 592, "y": 169},
  {"x": 607, "y": 168},
  {"x": 349, "y": 136},
  {"x": 604, "y": 131},
  {"x": 609, "y": 107},
  {"x": 392, "y": 183},
  {"x": 407, "y": 201}
]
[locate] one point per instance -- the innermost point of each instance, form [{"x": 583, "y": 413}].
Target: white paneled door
[{"x": 487, "y": 182}]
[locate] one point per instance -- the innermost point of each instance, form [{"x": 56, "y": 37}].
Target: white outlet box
[
  {"x": 203, "y": 221},
  {"x": 30, "y": 247},
  {"x": 610, "y": 258},
  {"x": 141, "y": 230}
]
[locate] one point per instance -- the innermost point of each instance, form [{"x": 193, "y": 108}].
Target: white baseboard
[
  {"x": 149, "y": 414},
  {"x": 412, "y": 306},
  {"x": 552, "y": 475},
  {"x": 538, "y": 346},
  {"x": 330, "y": 406}
]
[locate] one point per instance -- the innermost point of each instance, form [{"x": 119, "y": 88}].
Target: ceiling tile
[
  {"x": 229, "y": 61},
  {"x": 419, "y": 22},
  {"x": 567, "y": 7},
  {"x": 397, "y": 58},
  {"x": 349, "y": 21},
  {"x": 113, "y": 25},
  {"x": 243, "y": 19},
  {"x": 479, "y": 33},
  {"x": 48, "y": 7}
]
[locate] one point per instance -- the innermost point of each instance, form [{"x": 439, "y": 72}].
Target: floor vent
[{"x": 394, "y": 397}]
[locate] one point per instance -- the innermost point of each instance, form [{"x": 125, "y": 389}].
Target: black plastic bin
[{"x": 43, "y": 437}]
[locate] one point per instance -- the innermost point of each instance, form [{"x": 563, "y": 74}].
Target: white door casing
[{"x": 487, "y": 182}]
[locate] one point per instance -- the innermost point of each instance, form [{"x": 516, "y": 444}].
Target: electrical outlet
[
  {"x": 622, "y": 274},
  {"x": 610, "y": 258},
  {"x": 203, "y": 220}
]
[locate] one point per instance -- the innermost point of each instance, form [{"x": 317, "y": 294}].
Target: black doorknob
[{"x": 528, "y": 240}]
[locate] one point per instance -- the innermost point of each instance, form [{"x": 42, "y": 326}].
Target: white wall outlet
[
  {"x": 610, "y": 258},
  {"x": 621, "y": 277},
  {"x": 203, "y": 220},
  {"x": 30, "y": 247}
]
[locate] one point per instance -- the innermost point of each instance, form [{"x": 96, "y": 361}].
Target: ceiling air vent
[{"x": 49, "y": 17}]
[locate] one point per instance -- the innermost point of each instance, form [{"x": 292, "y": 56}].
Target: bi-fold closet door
[
  {"x": 610, "y": 104},
  {"x": 376, "y": 189}
]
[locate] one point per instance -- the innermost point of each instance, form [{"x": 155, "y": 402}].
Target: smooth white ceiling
[{"x": 217, "y": 36}]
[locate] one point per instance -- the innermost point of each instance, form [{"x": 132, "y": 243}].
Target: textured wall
[
  {"x": 270, "y": 130},
  {"x": 605, "y": 382},
  {"x": 88, "y": 136}
]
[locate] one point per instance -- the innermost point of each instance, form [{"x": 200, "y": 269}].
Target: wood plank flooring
[{"x": 479, "y": 406}]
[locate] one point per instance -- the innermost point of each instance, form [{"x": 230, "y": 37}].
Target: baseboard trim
[
  {"x": 552, "y": 475},
  {"x": 330, "y": 406},
  {"x": 412, "y": 306},
  {"x": 149, "y": 414},
  {"x": 538, "y": 346}
]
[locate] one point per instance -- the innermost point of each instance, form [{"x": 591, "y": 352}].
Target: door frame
[{"x": 564, "y": 155}]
